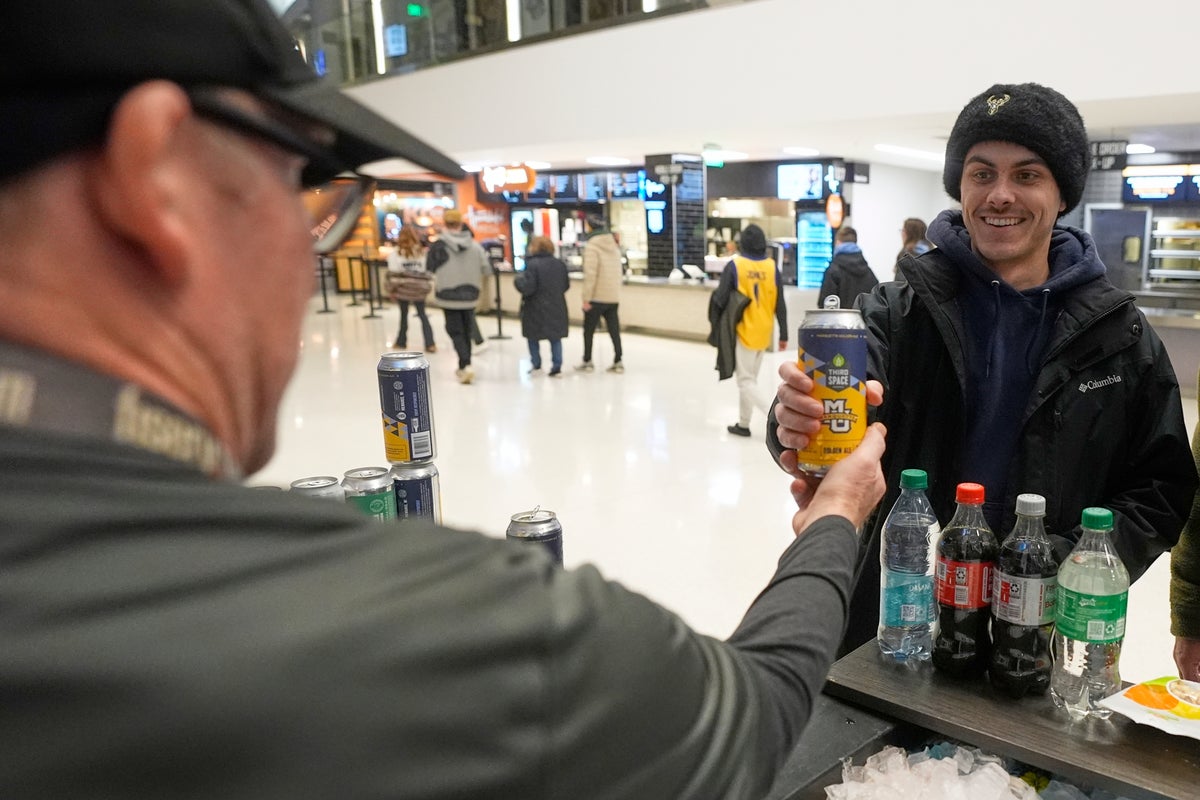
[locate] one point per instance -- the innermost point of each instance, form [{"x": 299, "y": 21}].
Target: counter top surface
[{"x": 1118, "y": 754}]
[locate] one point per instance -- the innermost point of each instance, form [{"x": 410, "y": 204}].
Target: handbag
[
  {"x": 409, "y": 286},
  {"x": 462, "y": 292}
]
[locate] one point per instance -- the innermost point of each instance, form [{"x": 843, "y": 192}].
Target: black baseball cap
[{"x": 64, "y": 64}]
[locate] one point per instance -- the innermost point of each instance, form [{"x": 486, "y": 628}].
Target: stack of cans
[
  {"x": 408, "y": 440},
  {"x": 408, "y": 488}
]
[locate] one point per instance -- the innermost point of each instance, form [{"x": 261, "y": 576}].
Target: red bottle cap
[{"x": 971, "y": 493}]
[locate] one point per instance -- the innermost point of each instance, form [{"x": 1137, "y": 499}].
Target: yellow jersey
[{"x": 756, "y": 280}]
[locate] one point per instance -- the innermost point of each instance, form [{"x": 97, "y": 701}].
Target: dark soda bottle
[
  {"x": 966, "y": 556},
  {"x": 1023, "y": 604}
]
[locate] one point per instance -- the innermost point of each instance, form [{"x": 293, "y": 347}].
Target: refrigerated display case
[{"x": 814, "y": 247}]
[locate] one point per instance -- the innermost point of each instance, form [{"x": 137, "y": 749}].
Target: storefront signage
[
  {"x": 395, "y": 38},
  {"x": 835, "y": 211},
  {"x": 1108, "y": 155},
  {"x": 1160, "y": 183},
  {"x": 518, "y": 178},
  {"x": 654, "y": 189}
]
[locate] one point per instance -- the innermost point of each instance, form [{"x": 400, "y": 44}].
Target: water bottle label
[
  {"x": 964, "y": 584},
  {"x": 906, "y": 600},
  {"x": 1023, "y": 601},
  {"x": 1091, "y": 617}
]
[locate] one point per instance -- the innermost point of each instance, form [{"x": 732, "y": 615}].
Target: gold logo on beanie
[{"x": 995, "y": 101}]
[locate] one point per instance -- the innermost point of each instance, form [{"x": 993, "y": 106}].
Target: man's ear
[{"x": 140, "y": 183}]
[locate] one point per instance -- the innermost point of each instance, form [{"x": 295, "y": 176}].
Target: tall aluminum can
[
  {"x": 538, "y": 526},
  {"x": 418, "y": 492},
  {"x": 370, "y": 490},
  {"x": 833, "y": 352},
  {"x": 325, "y": 487},
  {"x": 407, "y": 408}
]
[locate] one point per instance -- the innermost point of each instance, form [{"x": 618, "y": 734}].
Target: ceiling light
[
  {"x": 911, "y": 152},
  {"x": 608, "y": 161},
  {"x": 807, "y": 152},
  {"x": 724, "y": 155},
  {"x": 1135, "y": 149},
  {"x": 538, "y": 164}
]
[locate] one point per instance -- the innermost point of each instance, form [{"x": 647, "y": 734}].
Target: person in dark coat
[
  {"x": 543, "y": 286},
  {"x": 848, "y": 275}
]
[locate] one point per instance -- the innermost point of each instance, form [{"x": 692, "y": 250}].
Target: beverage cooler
[
  {"x": 529, "y": 222},
  {"x": 814, "y": 245}
]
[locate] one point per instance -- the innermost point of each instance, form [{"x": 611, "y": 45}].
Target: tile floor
[{"x": 639, "y": 467}]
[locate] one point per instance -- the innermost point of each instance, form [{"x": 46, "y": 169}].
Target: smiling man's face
[{"x": 1010, "y": 204}]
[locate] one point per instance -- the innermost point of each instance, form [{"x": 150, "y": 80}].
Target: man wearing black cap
[
  {"x": 165, "y": 632},
  {"x": 1006, "y": 357}
]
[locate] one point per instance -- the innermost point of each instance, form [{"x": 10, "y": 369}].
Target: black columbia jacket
[{"x": 1103, "y": 425}]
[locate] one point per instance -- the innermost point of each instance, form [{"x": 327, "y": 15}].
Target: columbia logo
[{"x": 1087, "y": 386}]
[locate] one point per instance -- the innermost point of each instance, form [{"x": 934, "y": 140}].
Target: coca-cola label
[
  {"x": 1023, "y": 601},
  {"x": 1091, "y": 617},
  {"x": 964, "y": 584}
]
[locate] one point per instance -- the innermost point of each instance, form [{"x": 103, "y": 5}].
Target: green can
[{"x": 370, "y": 490}]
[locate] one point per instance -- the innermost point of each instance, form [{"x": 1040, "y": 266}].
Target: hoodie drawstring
[
  {"x": 991, "y": 346},
  {"x": 1029, "y": 348}
]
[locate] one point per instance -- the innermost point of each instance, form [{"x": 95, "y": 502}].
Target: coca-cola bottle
[
  {"x": 1025, "y": 583},
  {"x": 966, "y": 556}
]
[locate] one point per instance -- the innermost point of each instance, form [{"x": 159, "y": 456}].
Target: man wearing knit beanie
[{"x": 1006, "y": 357}]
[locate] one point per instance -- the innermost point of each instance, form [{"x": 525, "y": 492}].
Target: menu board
[
  {"x": 541, "y": 188},
  {"x": 595, "y": 186},
  {"x": 627, "y": 185},
  {"x": 566, "y": 187}
]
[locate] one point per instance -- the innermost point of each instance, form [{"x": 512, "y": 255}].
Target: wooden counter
[{"x": 1118, "y": 754}]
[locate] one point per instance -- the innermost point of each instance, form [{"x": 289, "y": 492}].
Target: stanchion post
[
  {"x": 350, "y": 270},
  {"x": 373, "y": 294},
  {"x": 323, "y": 270},
  {"x": 499, "y": 311}
]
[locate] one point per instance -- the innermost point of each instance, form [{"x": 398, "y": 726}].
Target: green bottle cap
[
  {"x": 914, "y": 479},
  {"x": 1098, "y": 519}
]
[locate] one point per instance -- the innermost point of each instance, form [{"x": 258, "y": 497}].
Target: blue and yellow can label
[{"x": 836, "y": 360}]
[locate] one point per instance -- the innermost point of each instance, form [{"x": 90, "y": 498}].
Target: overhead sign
[
  {"x": 516, "y": 178},
  {"x": 1108, "y": 155}
]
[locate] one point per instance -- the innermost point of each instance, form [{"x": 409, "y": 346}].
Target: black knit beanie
[
  {"x": 1032, "y": 116},
  {"x": 753, "y": 242}
]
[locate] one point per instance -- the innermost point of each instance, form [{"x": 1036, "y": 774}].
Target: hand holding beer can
[{"x": 833, "y": 352}]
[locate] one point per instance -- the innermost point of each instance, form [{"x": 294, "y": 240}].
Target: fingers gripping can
[
  {"x": 833, "y": 352},
  {"x": 538, "y": 526},
  {"x": 407, "y": 408}
]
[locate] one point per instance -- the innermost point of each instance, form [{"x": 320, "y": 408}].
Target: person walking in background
[
  {"x": 914, "y": 242},
  {"x": 756, "y": 276},
  {"x": 601, "y": 291},
  {"x": 848, "y": 274},
  {"x": 476, "y": 334},
  {"x": 543, "y": 285},
  {"x": 409, "y": 282},
  {"x": 458, "y": 280}
]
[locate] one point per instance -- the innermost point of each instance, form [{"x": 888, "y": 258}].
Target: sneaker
[
  {"x": 465, "y": 375},
  {"x": 534, "y": 371},
  {"x": 396, "y": 345},
  {"x": 738, "y": 430},
  {"x": 617, "y": 367},
  {"x": 431, "y": 348},
  {"x": 556, "y": 372},
  {"x": 586, "y": 366},
  {"x": 481, "y": 347}
]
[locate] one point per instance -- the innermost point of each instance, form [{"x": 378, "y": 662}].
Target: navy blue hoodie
[{"x": 1007, "y": 331}]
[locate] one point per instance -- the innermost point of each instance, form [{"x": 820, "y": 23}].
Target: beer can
[
  {"x": 538, "y": 526},
  {"x": 325, "y": 487},
  {"x": 418, "y": 492},
  {"x": 406, "y": 406},
  {"x": 370, "y": 490},
  {"x": 833, "y": 352}
]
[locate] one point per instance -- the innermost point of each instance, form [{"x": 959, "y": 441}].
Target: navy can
[
  {"x": 325, "y": 487},
  {"x": 369, "y": 489},
  {"x": 538, "y": 526},
  {"x": 418, "y": 492},
  {"x": 407, "y": 408}
]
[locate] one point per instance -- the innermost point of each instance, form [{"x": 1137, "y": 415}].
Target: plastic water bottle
[
  {"x": 906, "y": 608},
  {"x": 1093, "y": 593},
  {"x": 1024, "y": 591}
]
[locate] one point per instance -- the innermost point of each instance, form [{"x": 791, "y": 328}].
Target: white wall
[{"x": 878, "y": 208}]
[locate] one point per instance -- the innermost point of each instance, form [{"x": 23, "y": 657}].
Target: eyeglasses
[{"x": 322, "y": 165}]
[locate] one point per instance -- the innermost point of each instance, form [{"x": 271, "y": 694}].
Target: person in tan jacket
[{"x": 601, "y": 291}]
